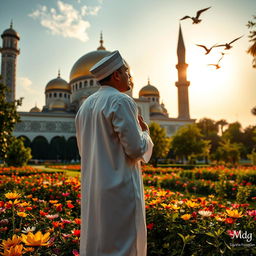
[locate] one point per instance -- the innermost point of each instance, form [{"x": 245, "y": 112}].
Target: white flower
[
  {"x": 51, "y": 217},
  {"x": 205, "y": 213},
  {"x": 28, "y": 229}
]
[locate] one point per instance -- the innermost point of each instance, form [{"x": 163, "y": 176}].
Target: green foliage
[
  {"x": 228, "y": 152},
  {"x": 17, "y": 154},
  {"x": 160, "y": 140},
  {"x": 8, "y": 118},
  {"x": 188, "y": 142}
]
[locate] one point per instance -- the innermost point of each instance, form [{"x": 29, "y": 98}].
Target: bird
[
  {"x": 228, "y": 45},
  {"x": 196, "y": 19},
  {"x": 217, "y": 66},
  {"x": 206, "y": 49}
]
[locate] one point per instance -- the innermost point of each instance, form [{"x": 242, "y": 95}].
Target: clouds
[{"x": 65, "y": 20}]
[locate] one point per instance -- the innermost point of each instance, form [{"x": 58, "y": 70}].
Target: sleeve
[{"x": 134, "y": 141}]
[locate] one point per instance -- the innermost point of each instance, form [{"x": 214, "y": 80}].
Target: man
[{"x": 112, "y": 140}]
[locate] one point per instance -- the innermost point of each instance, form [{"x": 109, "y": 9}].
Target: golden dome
[
  {"x": 149, "y": 90},
  {"x": 58, "y": 84},
  {"x": 57, "y": 105},
  {"x": 156, "y": 109},
  {"x": 35, "y": 109},
  {"x": 83, "y": 65}
]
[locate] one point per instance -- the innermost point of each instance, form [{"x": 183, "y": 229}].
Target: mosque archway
[
  {"x": 40, "y": 148},
  {"x": 72, "y": 149},
  {"x": 58, "y": 146}
]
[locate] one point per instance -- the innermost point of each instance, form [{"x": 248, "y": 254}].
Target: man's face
[{"x": 125, "y": 79}]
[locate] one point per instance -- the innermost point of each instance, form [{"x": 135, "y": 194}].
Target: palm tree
[{"x": 254, "y": 111}]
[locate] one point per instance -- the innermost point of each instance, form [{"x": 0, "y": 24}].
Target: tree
[
  {"x": 18, "y": 154},
  {"x": 252, "y": 49},
  {"x": 8, "y": 118},
  {"x": 161, "y": 142},
  {"x": 188, "y": 142},
  {"x": 209, "y": 129},
  {"x": 228, "y": 152},
  {"x": 221, "y": 123}
]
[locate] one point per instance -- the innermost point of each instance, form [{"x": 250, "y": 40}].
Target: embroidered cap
[{"x": 107, "y": 65}]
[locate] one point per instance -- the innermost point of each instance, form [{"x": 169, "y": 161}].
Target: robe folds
[{"x": 112, "y": 145}]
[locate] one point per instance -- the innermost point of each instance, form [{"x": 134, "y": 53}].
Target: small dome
[
  {"x": 35, "y": 109},
  {"x": 57, "y": 105},
  {"x": 149, "y": 90},
  {"x": 83, "y": 65},
  {"x": 10, "y": 32},
  {"x": 58, "y": 84},
  {"x": 156, "y": 109}
]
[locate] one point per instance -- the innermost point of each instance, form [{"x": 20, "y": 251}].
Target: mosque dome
[
  {"x": 10, "y": 32},
  {"x": 57, "y": 84},
  {"x": 149, "y": 90},
  {"x": 35, "y": 110},
  {"x": 57, "y": 105},
  {"x": 83, "y": 65},
  {"x": 156, "y": 109}
]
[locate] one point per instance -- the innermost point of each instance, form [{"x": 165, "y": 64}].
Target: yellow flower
[
  {"x": 15, "y": 202},
  {"x": 234, "y": 213},
  {"x": 37, "y": 239},
  {"x": 25, "y": 204},
  {"x": 186, "y": 216},
  {"x": 22, "y": 214},
  {"x": 12, "y": 195},
  {"x": 192, "y": 204},
  {"x": 174, "y": 207},
  {"x": 53, "y": 201},
  {"x": 11, "y": 242},
  {"x": 161, "y": 193},
  {"x": 13, "y": 251},
  {"x": 220, "y": 218}
]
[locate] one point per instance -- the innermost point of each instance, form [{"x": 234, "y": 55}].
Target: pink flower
[
  {"x": 252, "y": 213},
  {"x": 75, "y": 253},
  {"x": 66, "y": 194}
]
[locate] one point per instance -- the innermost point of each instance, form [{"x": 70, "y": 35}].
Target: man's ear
[{"x": 116, "y": 75}]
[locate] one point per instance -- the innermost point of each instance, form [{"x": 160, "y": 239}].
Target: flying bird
[
  {"x": 196, "y": 19},
  {"x": 217, "y": 66},
  {"x": 206, "y": 49},
  {"x": 228, "y": 45}
]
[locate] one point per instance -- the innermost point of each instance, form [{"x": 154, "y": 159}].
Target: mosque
[{"x": 50, "y": 131}]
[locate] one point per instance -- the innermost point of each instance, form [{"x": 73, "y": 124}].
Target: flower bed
[{"x": 39, "y": 214}]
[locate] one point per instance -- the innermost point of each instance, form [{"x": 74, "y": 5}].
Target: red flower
[
  {"x": 76, "y": 232},
  {"x": 70, "y": 205},
  {"x": 230, "y": 220},
  {"x": 42, "y": 213},
  {"x": 150, "y": 226},
  {"x": 77, "y": 221},
  {"x": 75, "y": 252}
]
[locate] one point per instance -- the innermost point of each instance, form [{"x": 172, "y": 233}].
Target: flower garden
[{"x": 205, "y": 211}]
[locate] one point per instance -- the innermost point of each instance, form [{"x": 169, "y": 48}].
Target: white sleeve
[{"x": 147, "y": 155}]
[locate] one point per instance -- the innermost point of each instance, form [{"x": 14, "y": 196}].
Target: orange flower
[
  {"x": 6, "y": 244},
  {"x": 234, "y": 213},
  {"x": 77, "y": 221},
  {"x": 186, "y": 216},
  {"x": 191, "y": 204},
  {"x": 12, "y": 195},
  {"x": 37, "y": 239},
  {"x": 14, "y": 251},
  {"x": 22, "y": 214}
]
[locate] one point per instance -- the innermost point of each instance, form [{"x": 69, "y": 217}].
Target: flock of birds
[{"x": 227, "y": 46}]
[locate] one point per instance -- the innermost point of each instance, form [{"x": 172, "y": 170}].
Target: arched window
[
  {"x": 85, "y": 83},
  {"x": 65, "y": 95},
  {"x": 50, "y": 95},
  {"x": 76, "y": 87},
  {"x": 91, "y": 82},
  {"x": 55, "y": 95},
  {"x": 60, "y": 95},
  {"x": 80, "y": 85}
]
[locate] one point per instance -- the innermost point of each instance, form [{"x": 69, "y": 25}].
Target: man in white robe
[{"x": 112, "y": 140}]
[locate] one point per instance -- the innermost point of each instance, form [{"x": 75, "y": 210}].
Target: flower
[
  {"x": 22, "y": 214},
  {"x": 186, "y": 216},
  {"x": 12, "y": 195},
  {"x": 51, "y": 217},
  {"x": 150, "y": 226},
  {"x": 251, "y": 213},
  {"x": 234, "y": 213},
  {"x": 191, "y": 204},
  {"x": 76, "y": 232},
  {"x": 205, "y": 213},
  {"x": 75, "y": 252},
  {"x": 28, "y": 229},
  {"x": 37, "y": 239},
  {"x": 6, "y": 244},
  {"x": 13, "y": 251}
]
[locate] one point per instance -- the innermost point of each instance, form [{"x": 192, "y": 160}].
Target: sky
[{"x": 54, "y": 34}]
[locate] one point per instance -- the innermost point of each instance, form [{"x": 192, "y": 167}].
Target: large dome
[
  {"x": 83, "y": 65},
  {"x": 149, "y": 90},
  {"x": 57, "y": 84}
]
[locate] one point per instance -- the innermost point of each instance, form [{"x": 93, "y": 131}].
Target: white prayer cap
[{"x": 107, "y": 65}]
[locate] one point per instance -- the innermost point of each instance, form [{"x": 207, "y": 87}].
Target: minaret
[
  {"x": 9, "y": 52},
  {"x": 182, "y": 83}
]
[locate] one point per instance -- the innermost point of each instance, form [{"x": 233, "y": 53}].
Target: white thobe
[{"x": 111, "y": 145}]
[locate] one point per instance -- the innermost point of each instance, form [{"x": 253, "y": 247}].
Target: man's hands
[{"x": 143, "y": 125}]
